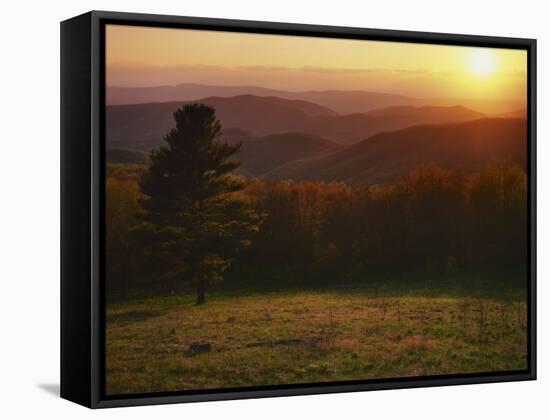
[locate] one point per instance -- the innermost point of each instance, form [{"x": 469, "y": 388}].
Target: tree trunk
[{"x": 201, "y": 293}]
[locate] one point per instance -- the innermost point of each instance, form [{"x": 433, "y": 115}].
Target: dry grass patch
[{"x": 305, "y": 337}]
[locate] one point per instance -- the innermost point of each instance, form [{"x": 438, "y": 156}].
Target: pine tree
[{"x": 192, "y": 206}]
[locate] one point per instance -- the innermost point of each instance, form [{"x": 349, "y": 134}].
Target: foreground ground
[{"x": 301, "y": 337}]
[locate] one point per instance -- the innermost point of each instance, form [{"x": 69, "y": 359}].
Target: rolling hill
[
  {"x": 258, "y": 155},
  {"x": 467, "y": 147},
  {"x": 436, "y": 114},
  {"x": 181, "y": 92},
  {"x": 341, "y": 101},
  {"x": 142, "y": 126},
  {"x": 520, "y": 113},
  {"x": 262, "y": 154}
]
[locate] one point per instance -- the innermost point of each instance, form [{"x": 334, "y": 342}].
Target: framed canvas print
[{"x": 255, "y": 209}]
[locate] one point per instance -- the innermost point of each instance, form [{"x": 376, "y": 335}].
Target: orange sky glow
[{"x": 144, "y": 56}]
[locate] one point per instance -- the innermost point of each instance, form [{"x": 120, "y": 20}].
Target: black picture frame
[{"x": 82, "y": 205}]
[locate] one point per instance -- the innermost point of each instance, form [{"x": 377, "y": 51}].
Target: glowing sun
[{"x": 482, "y": 62}]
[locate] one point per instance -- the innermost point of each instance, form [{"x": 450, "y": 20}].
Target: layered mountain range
[
  {"x": 300, "y": 139},
  {"x": 341, "y": 101}
]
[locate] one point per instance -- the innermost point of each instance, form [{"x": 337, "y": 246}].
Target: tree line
[{"x": 186, "y": 221}]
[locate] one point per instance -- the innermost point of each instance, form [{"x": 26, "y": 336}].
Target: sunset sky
[{"x": 141, "y": 56}]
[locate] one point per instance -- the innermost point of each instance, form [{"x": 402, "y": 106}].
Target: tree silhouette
[{"x": 192, "y": 207}]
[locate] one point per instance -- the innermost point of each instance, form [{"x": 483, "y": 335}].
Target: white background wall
[{"x": 29, "y": 206}]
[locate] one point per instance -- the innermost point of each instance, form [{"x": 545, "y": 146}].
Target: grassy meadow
[{"x": 291, "y": 337}]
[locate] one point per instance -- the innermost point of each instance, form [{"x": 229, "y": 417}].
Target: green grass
[{"x": 306, "y": 336}]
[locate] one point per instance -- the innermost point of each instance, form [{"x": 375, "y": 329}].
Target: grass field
[{"x": 304, "y": 336}]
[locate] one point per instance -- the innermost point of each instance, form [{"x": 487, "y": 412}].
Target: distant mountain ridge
[
  {"x": 520, "y": 113},
  {"x": 261, "y": 155},
  {"x": 341, "y": 101},
  {"x": 142, "y": 126},
  {"x": 467, "y": 147},
  {"x": 258, "y": 155},
  {"x": 344, "y": 101}
]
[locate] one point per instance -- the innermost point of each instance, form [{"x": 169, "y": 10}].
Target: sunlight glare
[{"x": 482, "y": 62}]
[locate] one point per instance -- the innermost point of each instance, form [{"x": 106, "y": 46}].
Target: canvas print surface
[{"x": 295, "y": 210}]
